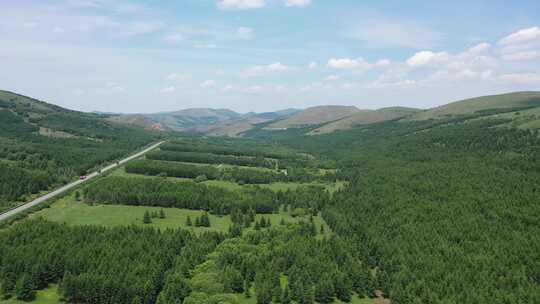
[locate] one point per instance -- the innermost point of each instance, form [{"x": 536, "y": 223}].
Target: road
[{"x": 67, "y": 187}]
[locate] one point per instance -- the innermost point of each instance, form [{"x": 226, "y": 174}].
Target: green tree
[
  {"x": 161, "y": 214},
  {"x": 188, "y": 221},
  {"x": 286, "y": 295},
  {"x": 146, "y": 218},
  {"x": 25, "y": 288}
]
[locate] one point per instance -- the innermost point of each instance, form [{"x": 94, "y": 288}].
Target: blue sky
[{"x": 262, "y": 55}]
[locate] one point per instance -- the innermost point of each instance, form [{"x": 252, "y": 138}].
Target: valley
[{"x": 283, "y": 216}]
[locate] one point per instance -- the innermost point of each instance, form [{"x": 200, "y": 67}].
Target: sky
[{"x": 263, "y": 55}]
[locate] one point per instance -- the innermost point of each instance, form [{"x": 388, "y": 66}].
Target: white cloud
[
  {"x": 522, "y": 36},
  {"x": 525, "y": 55},
  {"x": 208, "y": 84},
  {"x": 521, "y": 45},
  {"x": 220, "y": 72},
  {"x": 245, "y": 33},
  {"x": 312, "y": 65},
  {"x": 523, "y": 78},
  {"x": 479, "y": 48},
  {"x": 427, "y": 58},
  {"x": 261, "y": 70},
  {"x": 332, "y": 78},
  {"x": 352, "y": 64},
  {"x": 300, "y": 3},
  {"x": 240, "y": 4},
  {"x": 348, "y": 64}
]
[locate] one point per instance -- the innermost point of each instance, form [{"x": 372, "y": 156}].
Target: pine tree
[
  {"x": 282, "y": 222},
  {"x": 77, "y": 196},
  {"x": 161, "y": 214},
  {"x": 285, "y": 295},
  {"x": 24, "y": 289},
  {"x": 188, "y": 221},
  {"x": 247, "y": 292},
  {"x": 198, "y": 221},
  {"x": 146, "y": 218},
  {"x": 322, "y": 229},
  {"x": 136, "y": 300}
]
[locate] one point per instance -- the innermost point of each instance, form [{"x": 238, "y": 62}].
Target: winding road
[{"x": 69, "y": 186}]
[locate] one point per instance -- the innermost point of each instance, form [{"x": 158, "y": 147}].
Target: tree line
[
  {"x": 208, "y": 158},
  {"x": 198, "y": 196},
  {"x": 234, "y": 174}
]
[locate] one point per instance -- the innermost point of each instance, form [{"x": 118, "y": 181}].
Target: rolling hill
[
  {"x": 364, "y": 117},
  {"x": 517, "y": 100},
  {"x": 314, "y": 116}
]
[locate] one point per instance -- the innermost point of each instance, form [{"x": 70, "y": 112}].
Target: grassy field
[
  {"x": 68, "y": 210},
  {"x": 46, "y": 296}
]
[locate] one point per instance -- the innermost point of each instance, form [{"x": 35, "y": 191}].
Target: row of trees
[
  {"x": 198, "y": 196},
  {"x": 234, "y": 174},
  {"x": 235, "y": 148},
  {"x": 208, "y": 158}
]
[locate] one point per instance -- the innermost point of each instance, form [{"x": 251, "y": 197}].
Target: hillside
[
  {"x": 314, "y": 116},
  {"x": 43, "y": 145},
  {"x": 508, "y": 101},
  {"x": 364, "y": 117}
]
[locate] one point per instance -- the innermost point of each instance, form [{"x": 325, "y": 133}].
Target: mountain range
[{"x": 316, "y": 120}]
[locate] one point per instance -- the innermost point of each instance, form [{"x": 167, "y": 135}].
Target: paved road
[{"x": 58, "y": 191}]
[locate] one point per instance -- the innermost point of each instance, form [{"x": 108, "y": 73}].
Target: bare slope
[
  {"x": 470, "y": 106},
  {"x": 314, "y": 116},
  {"x": 364, "y": 117}
]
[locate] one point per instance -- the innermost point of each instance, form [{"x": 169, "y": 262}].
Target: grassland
[
  {"x": 68, "y": 210},
  {"x": 46, "y": 296}
]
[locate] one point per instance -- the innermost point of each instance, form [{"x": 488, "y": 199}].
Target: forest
[
  {"x": 31, "y": 162},
  {"x": 432, "y": 211}
]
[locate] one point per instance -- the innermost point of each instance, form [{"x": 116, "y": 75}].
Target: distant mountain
[
  {"x": 364, "y": 117},
  {"x": 314, "y": 116},
  {"x": 485, "y": 103},
  {"x": 215, "y": 122}
]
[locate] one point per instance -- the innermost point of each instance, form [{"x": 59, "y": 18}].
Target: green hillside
[
  {"x": 364, "y": 117},
  {"x": 43, "y": 145},
  {"x": 516, "y": 101}
]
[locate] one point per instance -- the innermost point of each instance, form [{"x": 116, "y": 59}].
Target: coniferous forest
[{"x": 433, "y": 211}]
